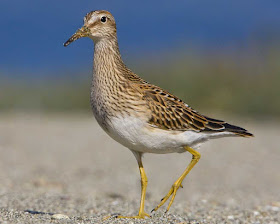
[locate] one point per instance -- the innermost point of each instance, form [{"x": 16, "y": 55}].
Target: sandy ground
[{"x": 65, "y": 164}]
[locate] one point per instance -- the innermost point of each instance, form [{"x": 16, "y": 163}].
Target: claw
[
  {"x": 172, "y": 192},
  {"x": 115, "y": 215}
]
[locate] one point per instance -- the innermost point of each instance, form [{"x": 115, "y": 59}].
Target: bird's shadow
[{"x": 38, "y": 213}]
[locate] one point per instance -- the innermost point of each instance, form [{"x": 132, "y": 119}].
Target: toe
[
  {"x": 141, "y": 215},
  {"x": 144, "y": 214}
]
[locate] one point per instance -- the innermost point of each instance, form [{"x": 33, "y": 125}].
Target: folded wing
[{"x": 171, "y": 113}]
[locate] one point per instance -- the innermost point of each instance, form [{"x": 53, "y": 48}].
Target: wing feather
[{"x": 170, "y": 113}]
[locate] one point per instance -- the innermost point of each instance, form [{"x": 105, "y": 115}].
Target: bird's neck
[
  {"x": 109, "y": 74},
  {"x": 107, "y": 61}
]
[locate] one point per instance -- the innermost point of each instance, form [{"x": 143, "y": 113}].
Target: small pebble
[
  {"x": 275, "y": 209},
  {"x": 59, "y": 216},
  {"x": 230, "y": 217},
  {"x": 115, "y": 203},
  {"x": 272, "y": 208}
]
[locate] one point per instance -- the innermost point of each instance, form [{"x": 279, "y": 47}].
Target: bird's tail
[
  {"x": 237, "y": 130},
  {"x": 219, "y": 125}
]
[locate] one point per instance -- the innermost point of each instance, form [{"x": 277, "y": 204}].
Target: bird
[{"x": 139, "y": 115}]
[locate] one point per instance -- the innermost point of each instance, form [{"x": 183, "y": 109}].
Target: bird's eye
[{"x": 103, "y": 19}]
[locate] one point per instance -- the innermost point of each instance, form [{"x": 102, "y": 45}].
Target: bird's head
[{"x": 97, "y": 25}]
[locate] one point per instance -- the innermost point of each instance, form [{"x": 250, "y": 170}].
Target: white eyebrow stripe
[{"x": 93, "y": 18}]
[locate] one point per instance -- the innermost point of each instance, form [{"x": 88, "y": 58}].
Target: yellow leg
[
  {"x": 178, "y": 182},
  {"x": 144, "y": 182}
]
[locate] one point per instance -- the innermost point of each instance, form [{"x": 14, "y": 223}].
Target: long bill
[{"x": 83, "y": 32}]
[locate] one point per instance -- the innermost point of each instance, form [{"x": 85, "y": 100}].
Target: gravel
[{"x": 60, "y": 168}]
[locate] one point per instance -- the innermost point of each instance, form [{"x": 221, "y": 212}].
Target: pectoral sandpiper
[{"x": 139, "y": 115}]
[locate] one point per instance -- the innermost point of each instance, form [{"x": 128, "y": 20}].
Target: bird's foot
[
  {"x": 172, "y": 192},
  {"x": 141, "y": 215}
]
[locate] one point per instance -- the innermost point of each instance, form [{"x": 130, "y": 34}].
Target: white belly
[{"x": 137, "y": 135}]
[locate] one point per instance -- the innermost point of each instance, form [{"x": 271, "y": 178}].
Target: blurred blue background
[{"x": 195, "y": 43}]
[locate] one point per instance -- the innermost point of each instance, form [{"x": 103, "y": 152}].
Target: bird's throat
[{"x": 107, "y": 59}]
